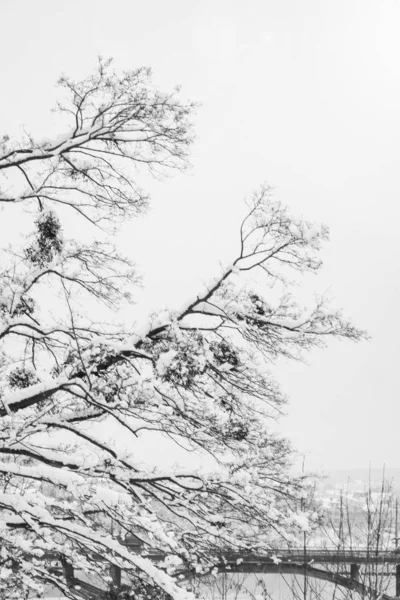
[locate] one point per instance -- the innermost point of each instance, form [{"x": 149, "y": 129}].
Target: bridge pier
[
  {"x": 355, "y": 571},
  {"x": 397, "y": 580},
  {"x": 68, "y": 572},
  {"x": 115, "y": 574}
]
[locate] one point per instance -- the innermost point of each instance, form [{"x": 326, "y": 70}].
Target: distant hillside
[{"x": 361, "y": 476}]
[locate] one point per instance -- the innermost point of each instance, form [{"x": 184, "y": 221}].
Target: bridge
[
  {"x": 359, "y": 556},
  {"x": 279, "y": 561}
]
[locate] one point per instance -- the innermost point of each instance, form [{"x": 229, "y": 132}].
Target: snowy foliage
[{"x": 200, "y": 378}]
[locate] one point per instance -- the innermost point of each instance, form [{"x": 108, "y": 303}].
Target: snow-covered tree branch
[
  {"x": 200, "y": 377},
  {"x": 116, "y": 122}
]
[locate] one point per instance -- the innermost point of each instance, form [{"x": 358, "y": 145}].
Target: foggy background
[{"x": 302, "y": 95}]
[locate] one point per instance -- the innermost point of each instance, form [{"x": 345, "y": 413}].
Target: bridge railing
[
  {"x": 335, "y": 555},
  {"x": 351, "y": 555}
]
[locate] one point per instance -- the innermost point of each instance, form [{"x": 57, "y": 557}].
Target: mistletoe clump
[
  {"x": 182, "y": 365},
  {"x": 21, "y": 378},
  {"x": 48, "y": 242},
  {"x": 225, "y": 355},
  {"x": 237, "y": 430}
]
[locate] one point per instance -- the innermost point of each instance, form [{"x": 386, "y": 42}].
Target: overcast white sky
[{"x": 302, "y": 94}]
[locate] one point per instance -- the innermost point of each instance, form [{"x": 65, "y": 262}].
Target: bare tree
[
  {"x": 359, "y": 523},
  {"x": 200, "y": 377}
]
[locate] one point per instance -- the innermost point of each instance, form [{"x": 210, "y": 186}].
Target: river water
[
  {"x": 286, "y": 587},
  {"x": 268, "y": 587}
]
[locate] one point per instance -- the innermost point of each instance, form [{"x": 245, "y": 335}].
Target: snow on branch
[{"x": 117, "y": 119}]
